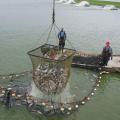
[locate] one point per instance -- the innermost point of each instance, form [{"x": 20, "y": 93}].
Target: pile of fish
[{"x": 50, "y": 78}]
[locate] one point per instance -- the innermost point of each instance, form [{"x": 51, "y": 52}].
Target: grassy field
[{"x": 102, "y": 3}]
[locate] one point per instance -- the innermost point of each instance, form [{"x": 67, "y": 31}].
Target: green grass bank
[{"x": 102, "y": 3}]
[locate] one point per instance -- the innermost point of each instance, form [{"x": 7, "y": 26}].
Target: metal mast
[{"x": 53, "y": 15}]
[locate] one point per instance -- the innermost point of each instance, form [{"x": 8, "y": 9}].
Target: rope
[
  {"x": 71, "y": 44},
  {"x": 49, "y": 33},
  {"x": 57, "y": 27},
  {"x": 41, "y": 36},
  {"x": 53, "y": 21},
  {"x": 43, "y": 33},
  {"x": 56, "y": 36},
  {"x": 52, "y": 27}
]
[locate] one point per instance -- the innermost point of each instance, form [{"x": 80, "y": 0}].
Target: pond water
[{"x": 21, "y": 24}]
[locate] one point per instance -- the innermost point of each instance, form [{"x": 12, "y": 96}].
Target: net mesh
[{"x": 51, "y": 68}]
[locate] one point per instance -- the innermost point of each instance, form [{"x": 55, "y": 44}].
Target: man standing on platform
[
  {"x": 106, "y": 54},
  {"x": 62, "y": 38}
]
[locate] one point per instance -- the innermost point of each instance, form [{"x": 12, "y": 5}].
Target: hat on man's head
[{"x": 107, "y": 42}]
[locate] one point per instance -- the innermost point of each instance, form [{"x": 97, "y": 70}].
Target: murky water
[{"x": 21, "y": 24}]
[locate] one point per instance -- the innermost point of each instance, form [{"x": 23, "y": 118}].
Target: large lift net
[{"x": 51, "y": 68}]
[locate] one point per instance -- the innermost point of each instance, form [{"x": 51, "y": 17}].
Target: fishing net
[
  {"x": 51, "y": 68},
  {"x": 80, "y": 87}
]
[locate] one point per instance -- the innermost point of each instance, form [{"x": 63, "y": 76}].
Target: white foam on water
[
  {"x": 70, "y": 2},
  {"x": 109, "y": 7},
  {"x": 64, "y": 97},
  {"x": 83, "y": 4},
  {"x": 62, "y": 1},
  {"x": 35, "y": 92}
]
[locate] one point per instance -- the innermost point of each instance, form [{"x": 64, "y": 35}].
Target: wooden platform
[{"x": 92, "y": 61}]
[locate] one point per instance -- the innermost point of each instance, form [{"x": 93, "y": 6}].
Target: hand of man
[{"x": 111, "y": 57}]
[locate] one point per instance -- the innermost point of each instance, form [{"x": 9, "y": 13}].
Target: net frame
[
  {"x": 38, "y": 58},
  {"x": 55, "y": 47}
]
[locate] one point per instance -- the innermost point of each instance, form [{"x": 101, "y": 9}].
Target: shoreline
[{"x": 101, "y": 3}]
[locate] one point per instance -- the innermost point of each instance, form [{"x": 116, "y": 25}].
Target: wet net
[
  {"x": 80, "y": 88},
  {"x": 51, "y": 68}
]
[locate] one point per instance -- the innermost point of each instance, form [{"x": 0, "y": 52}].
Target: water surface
[{"x": 21, "y": 24}]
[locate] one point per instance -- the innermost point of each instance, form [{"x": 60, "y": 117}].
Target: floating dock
[
  {"x": 114, "y": 64},
  {"x": 92, "y": 61}
]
